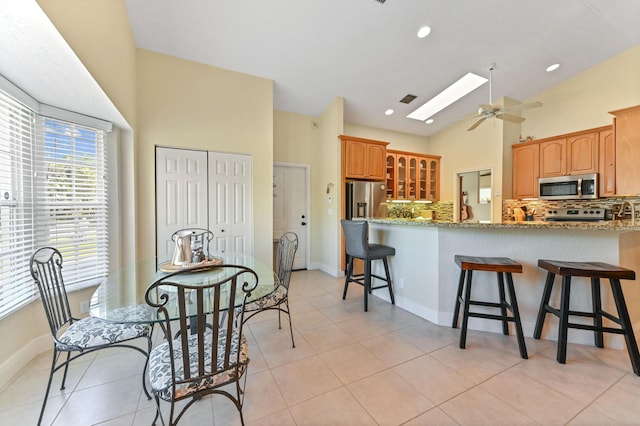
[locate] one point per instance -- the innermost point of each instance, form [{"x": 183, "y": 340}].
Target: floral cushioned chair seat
[
  {"x": 91, "y": 332},
  {"x": 274, "y": 298},
  {"x": 160, "y": 365}
]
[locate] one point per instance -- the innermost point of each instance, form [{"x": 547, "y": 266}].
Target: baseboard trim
[{"x": 12, "y": 366}]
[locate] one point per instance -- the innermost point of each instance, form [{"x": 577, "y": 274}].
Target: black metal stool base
[
  {"x": 594, "y": 271},
  {"x": 366, "y": 279},
  {"x": 503, "y": 267}
]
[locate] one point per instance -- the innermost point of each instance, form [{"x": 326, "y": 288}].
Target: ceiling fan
[{"x": 498, "y": 111}]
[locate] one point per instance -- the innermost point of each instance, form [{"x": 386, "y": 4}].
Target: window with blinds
[{"x": 53, "y": 192}]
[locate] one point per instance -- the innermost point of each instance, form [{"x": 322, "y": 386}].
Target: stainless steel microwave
[{"x": 576, "y": 187}]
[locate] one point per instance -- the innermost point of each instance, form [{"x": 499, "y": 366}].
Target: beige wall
[
  {"x": 583, "y": 102},
  {"x": 186, "y": 104},
  {"x": 99, "y": 33},
  {"x": 328, "y": 235},
  {"x": 84, "y": 25},
  {"x": 397, "y": 140}
]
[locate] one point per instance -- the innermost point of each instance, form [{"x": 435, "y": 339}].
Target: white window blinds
[
  {"x": 17, "y": 134},
  {"x": 53, "y": 173}
]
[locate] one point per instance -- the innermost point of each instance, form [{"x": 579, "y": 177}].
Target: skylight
[{"x": 457, "y": 90}]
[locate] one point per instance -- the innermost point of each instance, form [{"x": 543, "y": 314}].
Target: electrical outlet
[
  {"x": 401, "y": 282},
  {"x": 84, "y": 306}
]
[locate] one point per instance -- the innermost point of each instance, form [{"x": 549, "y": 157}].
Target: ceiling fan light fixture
[
  {"x": 465, "y": 85},
  {"x": 553, "y": 67},
  {"x": 424, "y": 31}
]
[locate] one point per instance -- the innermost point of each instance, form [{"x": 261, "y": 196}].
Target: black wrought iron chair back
[
  {"x": 200, "y": 359},
  {"x": 279, "y": 298},
  {"x": 71, "y": 334},
  {"x": 200, "y": 236}
]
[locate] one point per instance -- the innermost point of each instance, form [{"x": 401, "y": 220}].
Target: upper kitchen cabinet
[
  {"x": 573, "y": 154},
  {"x": 415, "y": 176},
  {"x": 626, "y": 129},
  {"x": 553, "y": 158},
  {"x": 433, "y": 178},
  {"x": 391, "y": 175},
  {"x": 607, "y": 167},
  {"x": 364, "y": 158},
  {"x": 526, "y": 162},
  {"x": 582, "y": 154}
]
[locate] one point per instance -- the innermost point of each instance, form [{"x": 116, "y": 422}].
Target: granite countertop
[{"x": 611, "y": 225}]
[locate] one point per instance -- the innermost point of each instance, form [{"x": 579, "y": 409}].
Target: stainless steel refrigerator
[{"x": 366, "y": 200}]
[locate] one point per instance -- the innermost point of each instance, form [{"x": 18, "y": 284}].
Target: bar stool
[
  {"x": 356, "y": 235},
  {"x": 504, "y": 267},
  {"x": 594, "y": 271}
]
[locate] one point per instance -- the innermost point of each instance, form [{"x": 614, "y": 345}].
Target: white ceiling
[
  {"x": 368, "y": 52},
  {"x": 362, "y": 50}
]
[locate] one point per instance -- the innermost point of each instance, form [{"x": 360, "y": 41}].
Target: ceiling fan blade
[
  {"x": 476, "y": 124},
  {"x": 510, "y": 117},
  {"x": 523, "y": 106}
]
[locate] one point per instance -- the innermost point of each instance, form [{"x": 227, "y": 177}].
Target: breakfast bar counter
[{"x": 425, "y": 274}]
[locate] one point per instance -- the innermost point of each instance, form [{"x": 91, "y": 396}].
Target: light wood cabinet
[
  {"x": 526, "y": 163},
  {"x": 391, "y": 175},
  {"x": 415, "y": 176},
  {"x": 364, "y": 158},
  {"x": 553, "y": 158},
  {"x": 626, "y": 128},
  {"x": 607, "y": 167},
  {"x": 402, "y": 176},
  {"x": 571, "y": 155},
  {"x": 433, "y": 178},
  {"x": 582, "y": 154}
]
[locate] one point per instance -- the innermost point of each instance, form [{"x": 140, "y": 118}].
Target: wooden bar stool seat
[
  {"x": 504, "y": 267},
  {"x": 594, "y": 271}
]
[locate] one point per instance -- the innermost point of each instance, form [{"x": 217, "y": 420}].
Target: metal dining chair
[
  {"x": 279, "y": 298},
  {"x": 70, "y": 334},
  {"x": 200, "y": 360}
]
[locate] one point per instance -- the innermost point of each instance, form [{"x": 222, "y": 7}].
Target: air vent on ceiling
[{"x": 408, "y": 99}]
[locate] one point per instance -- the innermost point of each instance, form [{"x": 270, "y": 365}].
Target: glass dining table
[{"x": 121, "y": 296}]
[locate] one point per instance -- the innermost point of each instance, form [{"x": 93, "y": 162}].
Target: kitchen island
[{"x": 425, "y": 276}]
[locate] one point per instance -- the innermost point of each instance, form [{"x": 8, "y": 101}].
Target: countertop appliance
[
  {"x": 574, "y": 187},
  {"x": 575, "y": 215},
  {"x": 366, "y": 200}
]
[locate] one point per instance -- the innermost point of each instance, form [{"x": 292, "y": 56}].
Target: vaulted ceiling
[{"x": 367, "y": 50}]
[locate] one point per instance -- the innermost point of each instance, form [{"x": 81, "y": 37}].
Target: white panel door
[
  {"x": 181, "y": 195},
  {"x": 230, "y": 211},
  {"x": 290, "y": 208}
]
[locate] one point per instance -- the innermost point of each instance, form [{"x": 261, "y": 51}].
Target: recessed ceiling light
[
  {"x": 424, "y": 31},
  {"x": 457, "y": 90},
  {"x": 553, "y": 67},
  {"x": 388, "y": 112},
  {"x": 429, "y": 121}
]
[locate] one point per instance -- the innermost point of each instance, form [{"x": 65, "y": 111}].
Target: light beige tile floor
[{"x": 349, "y": 367}]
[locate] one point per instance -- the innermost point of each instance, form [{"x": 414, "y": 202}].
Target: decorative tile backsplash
[
  {"x": 443, "y": 210},
  {"x": 541, "y": 206}
]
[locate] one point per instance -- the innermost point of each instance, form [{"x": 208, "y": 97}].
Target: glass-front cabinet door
[
  {"x": 422, "y": 179},
  {"x": 433, "y": 165},
  {"x": 402, "y": 176},
  {"x": 391, "y": 176},
  {"x": 413, "y": 177}
]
